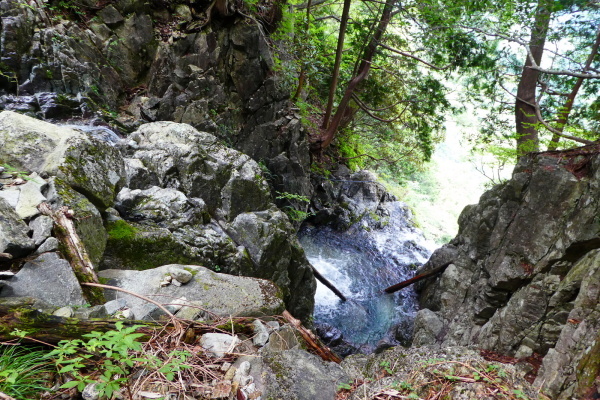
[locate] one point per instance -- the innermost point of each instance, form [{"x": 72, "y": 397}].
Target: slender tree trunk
[
  {"x": 302, "y": 76},
  {"x": 336, "y": 67},
  {"x": 525, "y": 115},
  {"x": 361, "y": 74},
  {"x": 563, "y": 115}
]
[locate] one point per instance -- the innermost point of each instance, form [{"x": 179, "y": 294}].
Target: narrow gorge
[{"x": 165, "y": 132}]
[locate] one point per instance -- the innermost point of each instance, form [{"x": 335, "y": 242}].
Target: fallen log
[
  {"x": 420, "y": 277},
  {"x": 19, "y": 314},
  {"x": 74, "y": 251},
  {"x": 312, "y": 340},
  {"x": 325, "y": 282}
]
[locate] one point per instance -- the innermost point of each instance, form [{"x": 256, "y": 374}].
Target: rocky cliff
[
  {"x": 524, "y": 273},
  {"x": 170, "y": 194},
  {"x": 129, "y": 62}
]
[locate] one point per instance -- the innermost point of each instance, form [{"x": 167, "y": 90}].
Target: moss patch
[
  {"x": 141, "y": 247},
  {"x": 121, "y": 230}
]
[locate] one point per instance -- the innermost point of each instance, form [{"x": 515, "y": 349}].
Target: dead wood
[
  {"x": 41, "y": 327},
  {"x": 325, "y": 282},
  {"x": 74, "y": 251},
  {"x": 312, "y": 340},
  {"x": 420, "y": 277}
]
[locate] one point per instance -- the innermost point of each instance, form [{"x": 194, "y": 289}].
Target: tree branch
[{"x": 402, "y": 53}]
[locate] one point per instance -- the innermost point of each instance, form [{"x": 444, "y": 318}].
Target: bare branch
[
  {"x": 368, "y": 111},
  {"x": 402, "y": 53},
  {"x": 582, "y": 75}
]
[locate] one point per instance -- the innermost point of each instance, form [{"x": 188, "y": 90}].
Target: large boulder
[
  {"x": 48, "y": 278},
  {"x": 198, "y": 202},
  {"x": 523, "y": 280},
  {"x": 14, "y": 233},
  {"x": 89, "y": 165},
  {"x": 209, "y": 292}
]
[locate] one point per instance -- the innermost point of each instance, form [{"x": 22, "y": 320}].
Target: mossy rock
[
  {"x": 95, "y": 169},
  {"x": 140, "y": 247},
  {"x": 87, "y": 220}
]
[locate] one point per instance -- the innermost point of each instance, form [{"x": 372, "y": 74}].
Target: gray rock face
[
  {"x": 49, "y": 278},
  {"x": 89, "y": 165},
  {"x": 220, "y": 81},
  {"x": 212, "y": 207},
  {"x": 296, "y": 375},
  {"x": 14, "y": 238},
  {"x": 220, "y": 294},
  {"x": 348, "y": 198},
  {"x": 523, "y": 268}
]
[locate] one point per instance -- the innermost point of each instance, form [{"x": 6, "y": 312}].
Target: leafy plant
[
  {"x": 22, "y": 375},
  {"x": 292, "y": 196},
  {"x": 292, "y": 211},
  {"x": 108, "y": 359},
  {"x": 387, "y": 367}
]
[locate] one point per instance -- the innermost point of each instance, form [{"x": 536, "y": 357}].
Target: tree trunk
[
  {"x": 336, "y": 67},
  {"x": 563, "y": 115},
  {"x": 525, "y": 113},
  {"x": 302, "y": 77},
  {"x": 362, "y": 73}
]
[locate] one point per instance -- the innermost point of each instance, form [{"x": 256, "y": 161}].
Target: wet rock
[{"x": 330, "y": 335}]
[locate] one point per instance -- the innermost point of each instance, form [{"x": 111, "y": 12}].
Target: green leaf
[{"x": 70, "y": 384}]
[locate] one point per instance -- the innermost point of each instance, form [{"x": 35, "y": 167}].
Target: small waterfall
[
  {"x": 362, "y": 261},
  {"x": 100, "y": 132}
]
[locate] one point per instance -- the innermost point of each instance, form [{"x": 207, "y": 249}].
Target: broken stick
[
  {"x": 325, "y": 282},
  {"x": 312, "y": 340},
  {"x": 424, "y": 275},
  {"x": 74, "y": 251}
]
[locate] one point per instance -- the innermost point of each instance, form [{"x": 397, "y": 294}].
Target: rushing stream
[{"x": 361, "y": 262}]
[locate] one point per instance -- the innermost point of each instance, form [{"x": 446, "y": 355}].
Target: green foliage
[
  {"x": 294, "y": 202},
  {"x": 292, "y": 196},
  {"x": 22, "y": 374},
  {"x": 107, "y": 359},
  {"x": 387, "y": 367}
]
